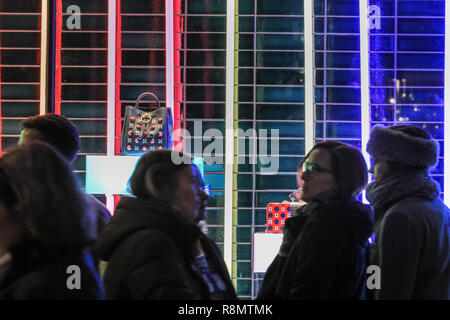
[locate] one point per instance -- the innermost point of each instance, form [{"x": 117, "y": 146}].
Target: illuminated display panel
[
  {"x": 269, "y": 94},
  {"x": 20, "y": 57},
  {"x": 406, "y": 57}
]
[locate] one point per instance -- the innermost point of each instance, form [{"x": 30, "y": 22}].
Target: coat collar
[{"x": 135, "y": 214}]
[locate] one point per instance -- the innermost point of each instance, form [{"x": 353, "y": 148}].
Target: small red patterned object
[{"x": 276, "y": 214}]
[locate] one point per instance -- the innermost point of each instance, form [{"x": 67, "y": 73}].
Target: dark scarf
[
  {"x": 293, "y": 224},
  {"x": 386, "y": 192}
]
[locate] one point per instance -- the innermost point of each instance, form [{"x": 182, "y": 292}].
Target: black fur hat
[{"x": 391, "y": 144}]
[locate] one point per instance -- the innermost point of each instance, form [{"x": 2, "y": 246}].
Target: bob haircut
[
  {"x": 47, "y": 199},
  {"x": 155, "y": 175},
  {"x": 349, "y": 168}
]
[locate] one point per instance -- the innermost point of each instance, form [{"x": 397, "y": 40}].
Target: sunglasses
[{"x": 313, "y": 168}]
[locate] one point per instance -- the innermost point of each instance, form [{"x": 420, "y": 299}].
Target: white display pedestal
[
  {"x": 265, "y": 248},
  {"x": 110, "y": 174}
]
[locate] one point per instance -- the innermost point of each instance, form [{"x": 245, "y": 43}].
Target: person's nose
[{"x": 203, "y": 195}]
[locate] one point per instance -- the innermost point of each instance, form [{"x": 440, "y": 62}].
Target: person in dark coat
[
  {"x": 45, "y": 224},
  {"x": 325, "y": 243},
  {"x": 153, "y": 246},
  {"x": 62, "y": 134},
  {"x": 412, "y": 237}
]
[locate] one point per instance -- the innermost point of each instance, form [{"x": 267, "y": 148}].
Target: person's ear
[{"x": 157, "y": 181}]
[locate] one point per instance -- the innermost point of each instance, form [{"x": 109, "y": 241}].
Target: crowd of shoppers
[{"x": 154, "y": 247}]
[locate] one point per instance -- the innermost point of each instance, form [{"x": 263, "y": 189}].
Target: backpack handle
[{"x": 147, "y": 94}]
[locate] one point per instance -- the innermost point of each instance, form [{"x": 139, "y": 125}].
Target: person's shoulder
[
  {"x": 417, "y": 212},
  {"x": 320, "y": 220},
  {"x": 146, "y": 237},
  {"x": 71, "y": 276},
  {"x": 413, "y": 206},
  {"x": 100, "y": 209},
  {"x": 328, "y": 212},
  {"x": 406, "y": 213},
  {"x": 152, "y": 243},
  {"x": 335, "y": 217}
]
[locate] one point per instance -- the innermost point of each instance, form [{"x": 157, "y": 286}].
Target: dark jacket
[
  {"x": 103, "y": 216},
  {"x": 150, "y": 251},
  {"x": 38, "y": 274},
  {"x": 327, "y": 256},
  {"x": 412, "y": 248}
]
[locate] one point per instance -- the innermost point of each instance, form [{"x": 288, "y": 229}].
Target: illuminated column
[
  {"x": 169, "y": 56},
  {"x": 229, "y": 138},
  {"x": 58, "y": 68},
  {"x": 178, "y": 88},
  {"x": 364, "y": 69},
  {"x": 43, "y": 76},
  {"x": 1, "y": 152},
  {"x": 308, "y": 14},
  {"x": 110, "y": 113},
  {"x": 447, "y": 106}
]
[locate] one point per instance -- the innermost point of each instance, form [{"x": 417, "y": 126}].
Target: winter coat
[
  {"x": 103, "y": 216},
  {"x": 412, "y": 247},
  {"x": 327, "y": 256},
  {"x": 149, "y": 248},
  {"x": 36, "y": 273}
]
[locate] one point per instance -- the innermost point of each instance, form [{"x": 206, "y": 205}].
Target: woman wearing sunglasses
[{"x": 325, "y": 243}]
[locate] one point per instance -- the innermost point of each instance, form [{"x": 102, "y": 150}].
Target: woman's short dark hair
[
  {"x": 56, "y": 130},
  {"x": 349, "y": 168},
  {"x": 47, "y": 199},
  {"x": 164, "y": 169}
]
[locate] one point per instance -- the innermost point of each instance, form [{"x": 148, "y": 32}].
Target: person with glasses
[
  {"x": 154, "y": 246},
  {"x": 325, "y": 243}
]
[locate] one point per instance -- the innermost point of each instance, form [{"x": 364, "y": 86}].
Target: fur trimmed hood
[{"x": 392, "y": 145}]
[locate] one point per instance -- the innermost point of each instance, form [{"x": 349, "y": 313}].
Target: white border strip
[
  {"x": 229, "y": 139},
  {"x": 447, "y": 106},
  {"x": 364, "y": 69},
  {"x": 170, "y": 84},
  {"x": 44, "y": 43},
  {"x": 309, "y": 74},
  {"x": 111, "y": 103}
]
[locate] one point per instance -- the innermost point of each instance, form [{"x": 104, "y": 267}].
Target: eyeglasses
[{"x": 313, "y": 168}]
